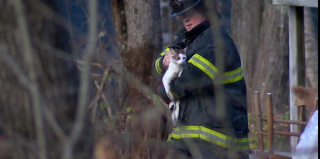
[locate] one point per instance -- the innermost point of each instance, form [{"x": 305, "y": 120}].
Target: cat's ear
[
  {"x": 184, "y": 51},
  {"x": 174, "y": 52}
]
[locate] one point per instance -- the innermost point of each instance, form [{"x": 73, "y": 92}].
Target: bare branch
[
  {"x": 53, "y": 123},
  {"x": 104, "y": 99},
  {"x": 93, "y": 64},
  {"x": 84, "y": 84},
  {"x": 146, "y": 91},
  {"x": 100, "y": 88},
  {"x": 14, "y": 66},
  {"x": 30, "y": 60},
  {"x": 52, "y": 50}
]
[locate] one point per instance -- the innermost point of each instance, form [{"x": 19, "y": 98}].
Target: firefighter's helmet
[{"x": 182, "y": 6}]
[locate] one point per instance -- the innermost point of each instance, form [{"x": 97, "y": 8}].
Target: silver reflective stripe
[
  {"x": 207, "y": 68},
  {"x": 213, "y": 137},
  {"x": 198, "y": 132},
  {"x": 209, "y": 135},
  {"x": 177, "y": 132},
  {"x": 232, "y": 76}
]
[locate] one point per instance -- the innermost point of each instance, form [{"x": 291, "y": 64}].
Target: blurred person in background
[{"x": 200, "y": 133}]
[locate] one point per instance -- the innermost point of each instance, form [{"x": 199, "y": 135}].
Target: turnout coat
[{"x": 200, "y": 115}]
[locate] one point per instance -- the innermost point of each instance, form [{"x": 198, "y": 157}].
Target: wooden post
[
  {"x": 270, "y": 122},
  {"x": 296, "y": 62},
  {"x": 258, "y": 117},
  {"x": 302, "y": 117}
]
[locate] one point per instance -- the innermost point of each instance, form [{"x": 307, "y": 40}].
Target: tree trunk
[
  {"x": 138, "y": 26},
  {"x": 261, "y": 33},
  {"x": 245, "y": 29},
  {"x": 120, "y": 23},
  {"x": 311, "y": 46}
]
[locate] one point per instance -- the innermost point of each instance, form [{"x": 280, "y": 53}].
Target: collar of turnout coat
[{"x": 189, "y": 35}]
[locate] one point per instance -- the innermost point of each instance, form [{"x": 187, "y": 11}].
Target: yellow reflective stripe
[
  {"x": 169, "y": 138},
  {"x": 238, "y": 78},
  {"x": 203, "y": 64},
  {"x": 210, "y": 136},
  {"x": 165, "y": 51},
  {"x": 206, "y": 130},
  {"x": 208, "y": 68},
  {"x": 219, "y": 143},
  {"x": 175, "y": 136},
  {"x": 241, "y": 139},
  {"x": 233, "y": 72},
  {"x": 157, "y": 66},
  {"x": 214, "y": 133},
  {"x": 244, "y": 147},
  {"x": 233, "y": 76}
]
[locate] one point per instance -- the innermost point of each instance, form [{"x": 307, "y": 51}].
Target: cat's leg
[
  {"x": 166, "y": 85},
  {"x": 172, "y": 106},
  {"x": 175, "y": 112}
]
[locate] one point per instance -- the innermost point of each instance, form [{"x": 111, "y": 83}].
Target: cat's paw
[
  {"x": 171, "y": 106},
  {"x": 175, "y": 107}
]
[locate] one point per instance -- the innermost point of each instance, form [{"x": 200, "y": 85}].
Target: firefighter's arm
[
  {"x": 162, "y": 93},
  {"x": 158, "y": 68},
  {"x": 199, "y": 74}
]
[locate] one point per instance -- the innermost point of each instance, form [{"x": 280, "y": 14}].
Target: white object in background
[{"x": 307, "y": 147}]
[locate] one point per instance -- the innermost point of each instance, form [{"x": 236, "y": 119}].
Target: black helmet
[{"x": 181, "y": 6}]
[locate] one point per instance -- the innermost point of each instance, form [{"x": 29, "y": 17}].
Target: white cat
[{"x": 174, "y": 70}]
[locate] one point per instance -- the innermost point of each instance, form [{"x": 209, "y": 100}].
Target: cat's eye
[{"x": 178, "y": 58}]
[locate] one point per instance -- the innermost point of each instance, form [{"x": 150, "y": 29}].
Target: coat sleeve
[
  {"x": 158, "y": 68},
  {"x": 199, "y": 74},
  {"x": 162, "y": 94}
]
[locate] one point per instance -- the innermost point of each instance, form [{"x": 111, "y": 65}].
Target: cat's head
[{"x": 178, "y": 56}]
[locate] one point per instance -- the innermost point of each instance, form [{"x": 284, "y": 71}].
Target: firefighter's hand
[{"x": 166, "y": 59}]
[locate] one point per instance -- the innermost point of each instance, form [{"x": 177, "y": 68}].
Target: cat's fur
[{"x": 174, "y": 70}]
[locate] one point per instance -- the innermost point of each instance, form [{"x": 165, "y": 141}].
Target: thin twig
[
  {"x": 104, "y": 99},
  {"x": 98, "y": 94},
  {"x": 92, "y": 74},
  {"x": 52, "y": 50},
  {"x": 30, "y": 61},
  {"x": 93, "y": 64},
  {"x": 147, "y": 92},
  {"x": 100, "y": 88},
  {"x": 22, "y": 77}
]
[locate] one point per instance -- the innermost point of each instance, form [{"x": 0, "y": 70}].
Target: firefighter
[{"x": 201, "y": 132}]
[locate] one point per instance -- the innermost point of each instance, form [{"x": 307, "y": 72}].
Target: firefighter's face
[{"x": 192, "y": 19}]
